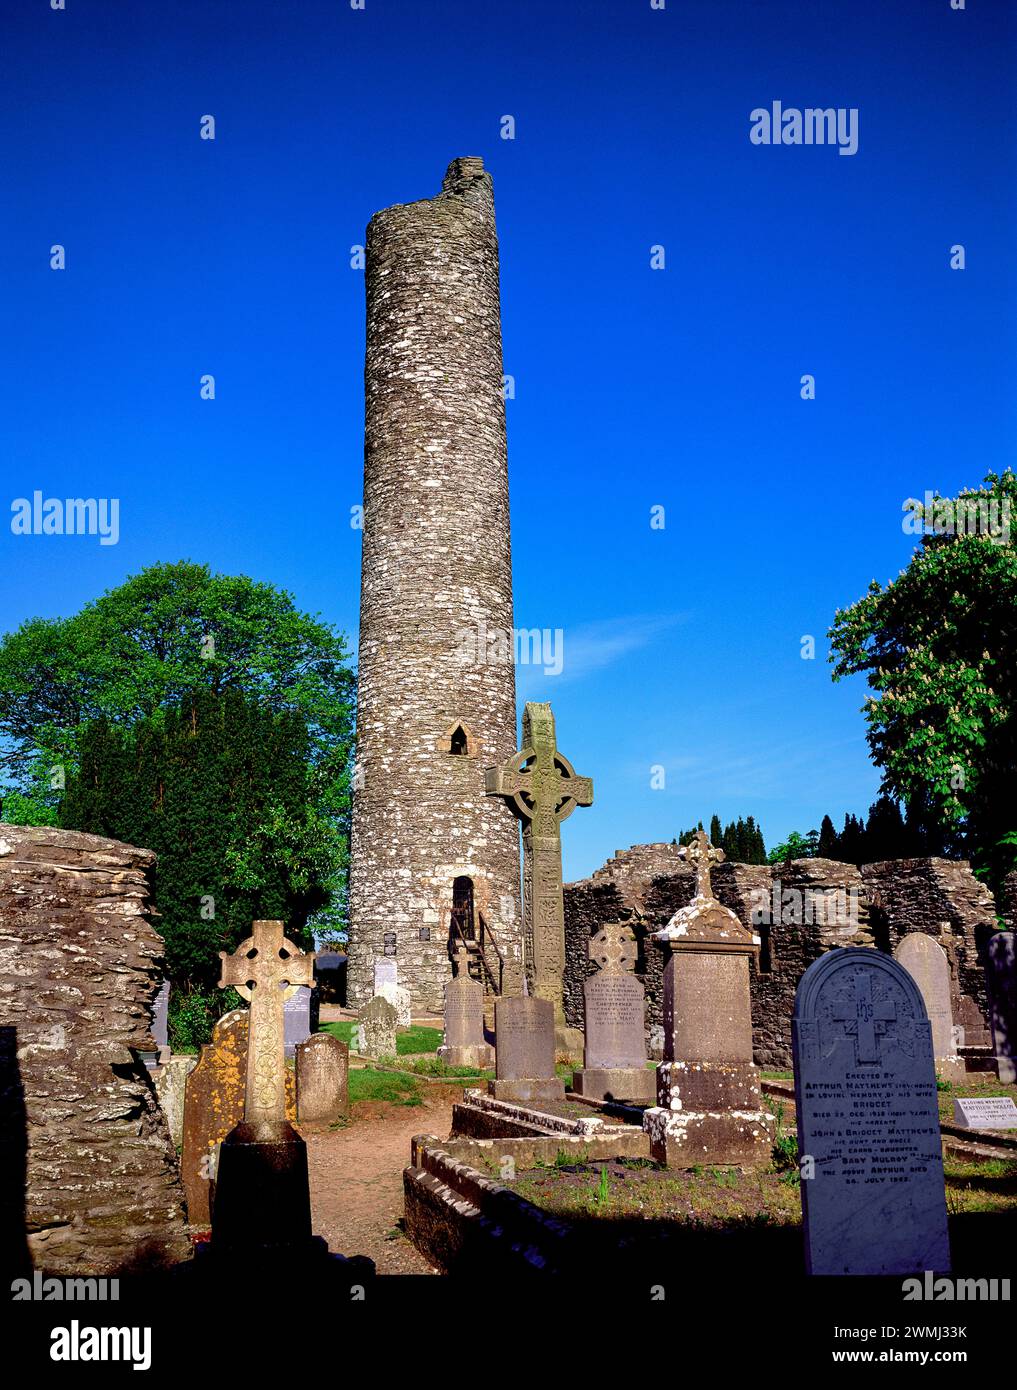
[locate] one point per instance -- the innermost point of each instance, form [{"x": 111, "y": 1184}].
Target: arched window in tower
[
  {"x": 458, "y": 741},
  {"x": 462, "y": 923}
]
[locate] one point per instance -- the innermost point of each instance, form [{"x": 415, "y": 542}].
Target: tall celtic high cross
[
  {"x": 542, "y": 789},
  {"x": 266, "y": 969},
  {"x": 702, "y": 856}
]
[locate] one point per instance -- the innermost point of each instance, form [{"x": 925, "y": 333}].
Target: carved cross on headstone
[
  {"x": 865, "y": 1018},
  {"x": 702, "y": 856},
  {"x": 266, "y": 969},
  {"x": 613, "y": 949},
  {"x": 542, "y": 789}
]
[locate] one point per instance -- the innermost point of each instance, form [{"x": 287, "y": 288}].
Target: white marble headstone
[{"x": 387, "y": 986}]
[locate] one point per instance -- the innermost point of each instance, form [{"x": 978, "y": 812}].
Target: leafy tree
[
  {"x": 796, "y": 846},
  {"x": 716, "y": 833},
  {"x": 938, "y": 646},
  {"x": 99, "y": 701}
]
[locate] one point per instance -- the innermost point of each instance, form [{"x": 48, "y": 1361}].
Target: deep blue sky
[{"x": 634, "y": 387}]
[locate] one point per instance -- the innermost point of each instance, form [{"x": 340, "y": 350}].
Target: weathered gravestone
[
  {"x": 709, "y": 1107},
  {"x": 387, "y": 986},
  {"x": 170, "y": 1082},
  {"x": 322, "y": 1069},
  {"x": 1001, "y": 986},
  {"x": 542, "y": 790},
  {"x": 525, "y": 1051},
  {"x": 213, "y": 1105},
  {"x": 873, "y": 1200},
  {"x": 614, "y": 1055},
  {"x": 463, "y": 1044},
  {"x": 376, "y": 1029},
  {"x": 927, "y": 964}
]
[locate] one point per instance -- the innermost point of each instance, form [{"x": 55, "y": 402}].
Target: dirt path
[{"x": 356, "y": 1178}]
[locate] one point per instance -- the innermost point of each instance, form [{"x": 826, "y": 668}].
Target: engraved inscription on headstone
[
  {"x": 985, "y": 1112},
  {"x": 524, "y": 1040},
  {"x": 873, "y": 1199}
]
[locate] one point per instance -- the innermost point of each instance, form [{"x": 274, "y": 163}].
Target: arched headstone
[{"x": 869, "y": 1148}]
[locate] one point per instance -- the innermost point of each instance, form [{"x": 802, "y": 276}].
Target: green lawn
[
  {"x": 408, "y": 1040},
  {"x": 368, "y": 1084}
]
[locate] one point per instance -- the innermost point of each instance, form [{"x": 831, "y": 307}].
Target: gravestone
[
  {"x": 525, "y": 1051},
  {"x": 542, "y": 790},
  {"x": 262, "y": 1202},
  {"x": 1001, "y": 986},
  {"x": 170, "y": 1082},
  {"x": 464, "y": 1044},
  {"x": 322, "y": 1070},
  {"x": 873, "y": 1200},
  {"x": 297, "y": 1020},
  {"x": 614, "y": 1054},
  {"x": 709, "y": 1104},
  {"x": 213, "y": 1105},
  {"x": 387, "y": 986},
  {"x": 927, "y": 964},
  {"x": 985, "y": 1112},
  {"x": 160, "y": 1019},
  {"x": 376, "y": 1029}
]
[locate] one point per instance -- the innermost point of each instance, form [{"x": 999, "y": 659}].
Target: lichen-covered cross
[
  {"x": 702, "y": 856},
  {"x": 266, "y": 969},
  {"x": 542, "y": 789}
]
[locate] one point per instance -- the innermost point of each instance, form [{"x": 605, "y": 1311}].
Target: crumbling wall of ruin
[
  {"x": 89, "y": 1182},
  {"x": 942, "y": 898},
  {"x": 799, "y": 910}
]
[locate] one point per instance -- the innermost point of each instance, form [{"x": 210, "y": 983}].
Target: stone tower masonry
[{"x": 436, "y": 685}]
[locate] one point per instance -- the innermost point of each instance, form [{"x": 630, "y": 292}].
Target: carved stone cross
[
  {"x": 613, "y": 949},
  {"x": 865, "y": 1018},
  {"x": 266, "y": 969},
  {"x": 702, "y": 856},
  {"x": 542, "y": 789}
]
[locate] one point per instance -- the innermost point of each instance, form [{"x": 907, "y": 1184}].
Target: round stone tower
[{"x": 434, "y": 861}]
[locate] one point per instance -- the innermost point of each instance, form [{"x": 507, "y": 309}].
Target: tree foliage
[
  {"x": 109, "y": 683},
  {"x": 938, "y": 646}
]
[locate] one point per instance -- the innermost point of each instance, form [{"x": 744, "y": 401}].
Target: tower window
[{"x": 458, "y": 741}]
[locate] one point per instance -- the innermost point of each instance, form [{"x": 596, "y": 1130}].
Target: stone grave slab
[{"x": 525, "y": 1051}]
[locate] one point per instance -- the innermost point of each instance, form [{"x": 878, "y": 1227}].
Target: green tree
[
  {"x": 828, "y": 840},
  {"x": 796, "y": 846},
  {"x": 938, "y": 646},
  {"x": 131, "y": 657},
  {"x": 218, "y": 787}
]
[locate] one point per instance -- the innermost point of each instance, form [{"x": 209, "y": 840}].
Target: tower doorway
[{"x": 463, "y": 922}]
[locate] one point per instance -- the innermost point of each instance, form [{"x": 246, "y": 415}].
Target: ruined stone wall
[
  {"x": 88, "y": 1174},
  {"x": 802, "y": 909},
  {"x": 436, "y": 566},
  {"x": 942, "y": 898},
  {"x": 1009, "y": 903}
]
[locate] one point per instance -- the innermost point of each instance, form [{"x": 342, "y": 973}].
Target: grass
[
  {"x": 367, "y": 1083},
  {"x": 434, "y": 1066},
  {"x": 417, "y": 1039},
  {"x": 626, "y": 1188},
  {"x": 408, "y": 1040},
  {"x": 987, "y": 1185}
]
